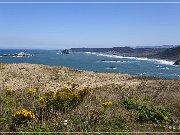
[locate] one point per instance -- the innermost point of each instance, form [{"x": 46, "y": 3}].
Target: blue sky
[{"x": 55, "y": 26}]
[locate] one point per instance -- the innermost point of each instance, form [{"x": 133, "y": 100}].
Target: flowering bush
[
  {"x": 67, "y": 98},
  {"x": 23, "y": 116}
]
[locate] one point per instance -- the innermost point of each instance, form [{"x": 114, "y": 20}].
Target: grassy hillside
[{"x": 39, "y": 98}]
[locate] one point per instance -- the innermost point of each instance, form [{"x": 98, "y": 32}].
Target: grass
[{"x": 67, "y": 100}]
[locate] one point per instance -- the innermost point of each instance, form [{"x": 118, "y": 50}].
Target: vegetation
[
  {"x": 149, "y": 113},
  {"x": 40, "y": 106},
  {"x": 65, "y": 99},
  {"x": 79, "y": 101}
]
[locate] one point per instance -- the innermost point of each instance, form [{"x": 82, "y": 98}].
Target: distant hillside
[
  {"x": 162, "y": 46},
  {"x": 124, "y": 51},
  {"x": 161, "y": 53},
  {"x": 170, "y": 54}
]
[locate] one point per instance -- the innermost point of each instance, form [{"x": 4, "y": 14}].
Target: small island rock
[{"x": 177, "y": 62}]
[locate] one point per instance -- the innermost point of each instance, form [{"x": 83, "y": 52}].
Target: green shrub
[
  {"x": 149, "y": 113},
  {"x": 130, "y": 103},
  {"x": 154, "y": 114}
]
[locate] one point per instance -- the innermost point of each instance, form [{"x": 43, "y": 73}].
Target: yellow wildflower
[
  {"x": 23, "y": 116},
  {"x": 107, "y": 103}
]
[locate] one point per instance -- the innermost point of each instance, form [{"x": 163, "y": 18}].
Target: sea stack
[
  {"x": 65, "y": 51},
  {"x": 177, "y": 62}
]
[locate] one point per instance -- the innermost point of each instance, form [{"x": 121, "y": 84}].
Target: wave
[
  {"x": 91, "y": 53},
  {"x": 166, "y": 68},
  {"x": 143, "y": 73},
  {"x": 112, "y": 61},
  {"x": 164, "y": 62}
]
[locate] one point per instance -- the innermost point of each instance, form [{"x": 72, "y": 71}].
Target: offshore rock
[{"x": 177, "y": 62}]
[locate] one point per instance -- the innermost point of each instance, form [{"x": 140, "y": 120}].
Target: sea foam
[{"x": 164, "y": 62}]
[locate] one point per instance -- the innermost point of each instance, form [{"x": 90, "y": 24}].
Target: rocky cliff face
[{"x": 170, "y": 54}]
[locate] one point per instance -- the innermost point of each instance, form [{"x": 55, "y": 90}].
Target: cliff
[{"x": 169, "y": 54}]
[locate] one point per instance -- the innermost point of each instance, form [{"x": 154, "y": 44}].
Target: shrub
[
  {"x": 83, "y": 92},
  {"x": 23, "y": 116},
  {"x": 154, "y": 114},
  {"x": 149, "y": 113},
  {"x": 65, "y": 99},
  {"x": 130, "y": 103}
]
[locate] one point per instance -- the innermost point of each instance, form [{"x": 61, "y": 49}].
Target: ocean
[{"x": 97, "y": 62}]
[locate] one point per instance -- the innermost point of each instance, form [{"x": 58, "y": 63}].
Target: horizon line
[
  {"x": 138, "y": 2},
  {"x": 154, "y": 46}
]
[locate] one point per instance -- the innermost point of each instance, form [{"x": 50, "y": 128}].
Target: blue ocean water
[{"x": 92, "y": 62}]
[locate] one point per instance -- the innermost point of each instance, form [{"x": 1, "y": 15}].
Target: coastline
[
  {"x": 112, "y": 55},
  {"x": 99, "y": 62}
]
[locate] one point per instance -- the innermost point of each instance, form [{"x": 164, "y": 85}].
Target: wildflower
[
  {"x": 65, "y": 120},
  {"x": 23, "y": 116},
  {"x": 107, "y": 103}
]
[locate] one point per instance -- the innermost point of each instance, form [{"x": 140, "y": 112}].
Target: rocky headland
[{"x": 169, "y": 54}]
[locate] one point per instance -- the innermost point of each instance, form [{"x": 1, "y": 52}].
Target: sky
[{"x": 57, "y": 26}]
